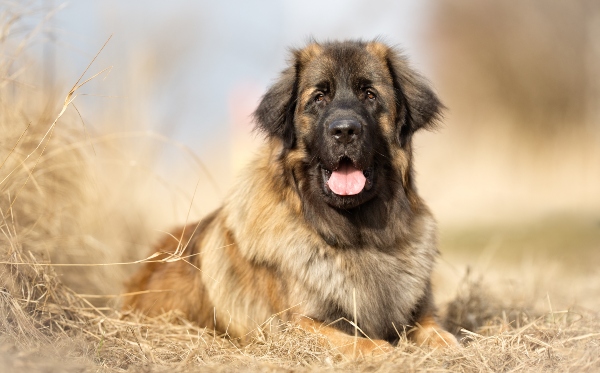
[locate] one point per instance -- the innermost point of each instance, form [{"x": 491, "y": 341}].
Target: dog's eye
[
  {"x": 319, "y": 97},
  {"x": 370, "y": 94}
]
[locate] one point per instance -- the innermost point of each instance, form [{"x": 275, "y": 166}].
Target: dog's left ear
[
  {"x": 417, "y": 106},
  {"x": 275, "y": 113}
]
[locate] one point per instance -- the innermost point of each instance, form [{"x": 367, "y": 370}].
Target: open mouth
[{"x": 347, "y": 179}]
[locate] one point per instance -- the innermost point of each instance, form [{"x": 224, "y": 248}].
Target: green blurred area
[{"x": 572, "y": 241}]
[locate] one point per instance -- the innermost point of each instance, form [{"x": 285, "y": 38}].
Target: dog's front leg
[{"x": 349, "y": 346}]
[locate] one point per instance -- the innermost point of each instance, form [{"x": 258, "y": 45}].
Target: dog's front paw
[
  {"x": 368, "y": 347},
  {"x": 434, "y": 337},
  {"x": 428, "y": 333}
]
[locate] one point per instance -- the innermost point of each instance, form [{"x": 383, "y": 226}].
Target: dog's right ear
[{"x": 275, "y": 113}]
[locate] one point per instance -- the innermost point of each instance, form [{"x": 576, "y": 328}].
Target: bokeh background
[{"x": 513, "y": 175}]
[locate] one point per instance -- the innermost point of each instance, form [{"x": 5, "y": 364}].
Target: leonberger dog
[{"x": 325, "y": 228}]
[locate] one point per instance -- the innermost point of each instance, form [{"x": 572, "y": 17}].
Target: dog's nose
[{"x": 345, "y": 130}]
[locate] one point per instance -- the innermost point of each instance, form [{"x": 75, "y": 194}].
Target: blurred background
[{"x": 156, "y": 139}]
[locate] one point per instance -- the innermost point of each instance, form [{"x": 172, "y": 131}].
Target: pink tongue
[{"x": 346, "y": 180}]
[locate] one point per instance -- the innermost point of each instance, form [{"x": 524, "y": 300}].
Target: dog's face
[{"x": 346, "y": 112}]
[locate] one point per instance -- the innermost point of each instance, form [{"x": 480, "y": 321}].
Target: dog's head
[{"x": 348, "y": 111}]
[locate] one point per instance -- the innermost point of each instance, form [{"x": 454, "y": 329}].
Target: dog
[{"x": 325, "y": 228}]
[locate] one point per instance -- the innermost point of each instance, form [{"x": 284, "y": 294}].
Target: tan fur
[
  {"x": 351, "y": 346},
  {"x": 429, "y": 333},
  {"x": 258, "y": 256},
  {"x": 310, "y": 52},
  {"x": 378, "y": 49}
]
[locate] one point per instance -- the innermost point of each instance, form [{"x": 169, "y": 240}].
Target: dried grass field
[{"x": 75, "y": 218}]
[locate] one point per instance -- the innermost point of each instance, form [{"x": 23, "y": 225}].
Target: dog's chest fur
[
  {"x": 383, "y": 288},
  {"x": 327, "y": 283}
]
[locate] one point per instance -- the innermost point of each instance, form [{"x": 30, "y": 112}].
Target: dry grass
[
  {"x": 45, "y": 325},
  {"x": 45, "y": 195}
]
